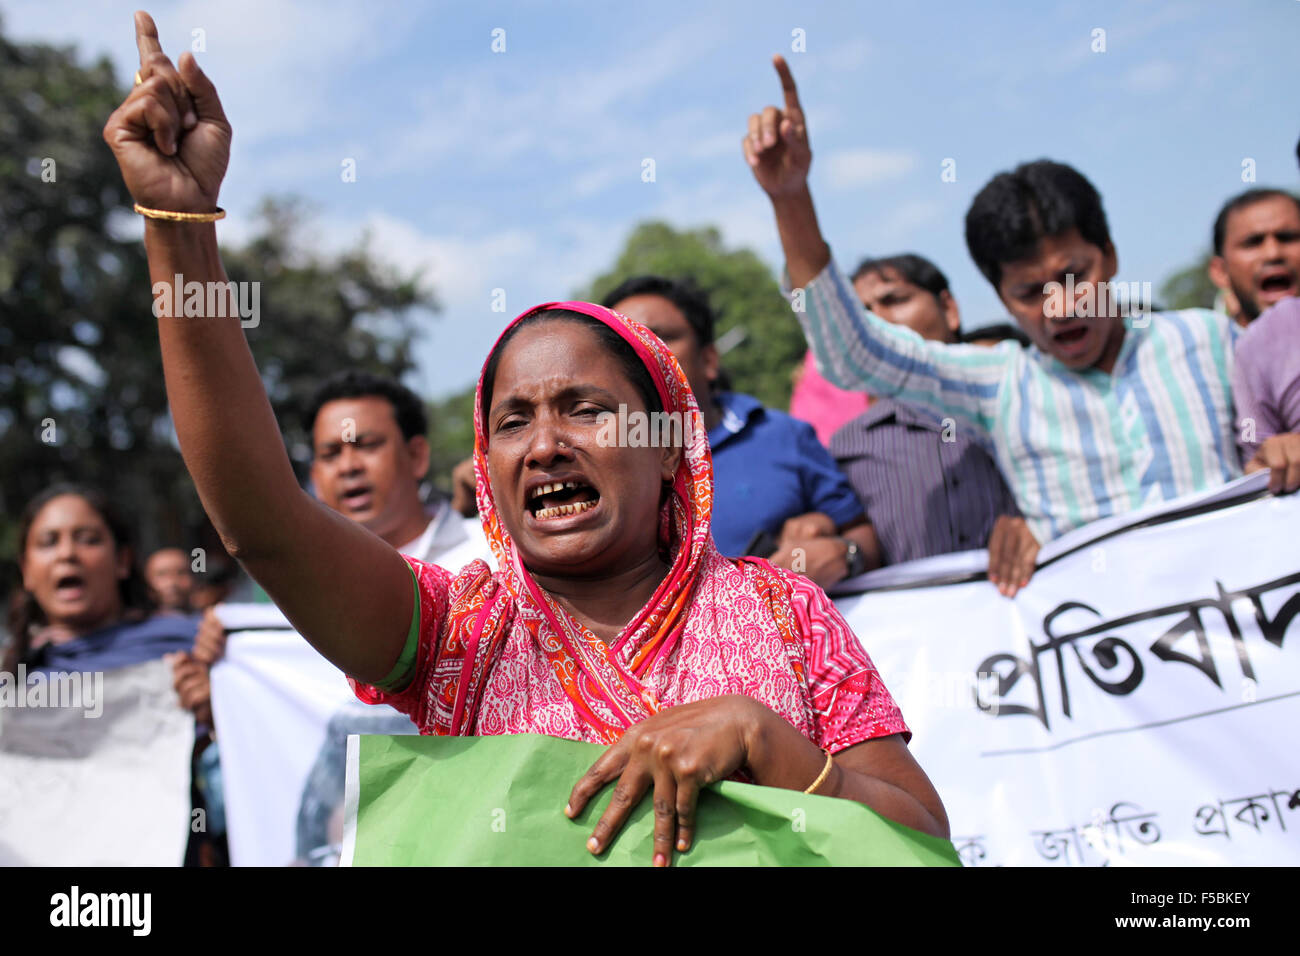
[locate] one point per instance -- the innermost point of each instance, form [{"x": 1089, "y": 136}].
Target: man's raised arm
[
  {"x": 855, "y": 349},
  {"x": 777, "y": 150}
]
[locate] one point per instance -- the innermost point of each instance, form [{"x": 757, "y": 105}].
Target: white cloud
[
  {"x": 848, "y": 168},
  {"x": 721, "y": 144},
  {"x": 1151, "y": 77},
  {"x": 275, "y": 66},
  {"x": 850, "y": 55},
  {"x": 595, "y": 180},
  {"x": 531, "y": 266},
  {"x": 902, "y": 224},
  {"x": 564, "y": 114},
  {"x": 462, "y": 270}
]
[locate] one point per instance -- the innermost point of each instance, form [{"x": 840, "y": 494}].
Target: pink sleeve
[
  {"x": 850, "y": 701},
  {"x": 434, "y": 587}
]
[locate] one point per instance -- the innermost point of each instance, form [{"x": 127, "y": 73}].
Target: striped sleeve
[{"x": 857, "y": 350}]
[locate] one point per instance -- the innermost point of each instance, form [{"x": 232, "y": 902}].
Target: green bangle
[{"x": 403, "y": 671}]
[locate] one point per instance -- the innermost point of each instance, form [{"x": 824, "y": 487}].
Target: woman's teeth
[
  {"x": 560, "y": 510},
  {"x": 552, "y": 488}
]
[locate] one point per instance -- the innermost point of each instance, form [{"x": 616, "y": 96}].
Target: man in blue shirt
[{"x": 777, "y": 491}]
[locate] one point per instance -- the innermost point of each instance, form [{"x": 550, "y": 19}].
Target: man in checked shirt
[{"x": 927, "y": 487}]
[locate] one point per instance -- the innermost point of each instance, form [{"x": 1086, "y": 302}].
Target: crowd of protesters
[{"x": 922, "y": 437}]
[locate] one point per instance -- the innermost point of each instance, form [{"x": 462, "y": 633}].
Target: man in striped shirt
[{"x": 1102, "y": 414}]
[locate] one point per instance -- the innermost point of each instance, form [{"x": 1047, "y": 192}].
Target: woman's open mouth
[
  {"x": 560, "y": 499},
  {"x": 70, "y": 587}
]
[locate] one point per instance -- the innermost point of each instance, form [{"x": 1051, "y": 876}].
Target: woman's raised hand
[
  {"x": 170, "y": 136},
  {"x": 776, "y": 142}
]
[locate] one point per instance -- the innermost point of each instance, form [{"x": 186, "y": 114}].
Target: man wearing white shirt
[{"x": 369, "y": 456}]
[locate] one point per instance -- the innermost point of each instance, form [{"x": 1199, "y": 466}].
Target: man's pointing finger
[{"x": 787, "y": 83}]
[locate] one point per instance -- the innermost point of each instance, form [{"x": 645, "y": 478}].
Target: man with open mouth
[
  {"x": 1105, "y": 411},
  {"x": 1257, "y": 251},
  {"x": 369, "y": 457},
  {"x": 1260, "y": 231}
]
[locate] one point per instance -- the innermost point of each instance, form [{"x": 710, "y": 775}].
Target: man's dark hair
[
  {"x": 1000, "y": 332},
  {"x": 1241, "y": 201},
  {"x": 1015, "y": 211},
  {"x": 917, "y": 270},
  {"x": 407, "y": 407},
  {"x": 689, "y": 298}
]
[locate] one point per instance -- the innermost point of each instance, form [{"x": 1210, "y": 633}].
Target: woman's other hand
[{"x": 676, "y": 752}]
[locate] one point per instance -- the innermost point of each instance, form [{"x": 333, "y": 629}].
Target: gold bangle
[
  {"x": 181, "y": 216},
  {"x": 822, "y": 776}
]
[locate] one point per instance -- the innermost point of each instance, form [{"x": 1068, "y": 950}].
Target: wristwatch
[{"x": 857, "y": 561}]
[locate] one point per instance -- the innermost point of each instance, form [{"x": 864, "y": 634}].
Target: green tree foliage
[
  {"x": 81, "y": 386},
  {"x": 321, "y": 314},
  {"x": 1189, "y": 288},
  {"x": 741, "y": 289},
  {"x": 451, "y": 436}
]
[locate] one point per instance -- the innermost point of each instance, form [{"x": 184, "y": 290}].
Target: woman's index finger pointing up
[{"x": 146, "y": 37}]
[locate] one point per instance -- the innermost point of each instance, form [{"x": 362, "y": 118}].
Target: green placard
[{"x": 499, "y": 801}]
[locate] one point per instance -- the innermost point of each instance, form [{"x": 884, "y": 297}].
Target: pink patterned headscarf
[{"x": 604, "y": 682}]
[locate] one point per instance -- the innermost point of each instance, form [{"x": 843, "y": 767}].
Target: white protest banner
[
  {"x": 283, "y": 714},
  {"x": 96, "y": 778},
  {"x": 1135, "y": 705}
]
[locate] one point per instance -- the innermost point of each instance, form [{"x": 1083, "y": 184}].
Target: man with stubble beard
[{"x": 1257, "y": 251}]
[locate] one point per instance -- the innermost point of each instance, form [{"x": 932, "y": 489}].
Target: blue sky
[{"x": 521, "y": 170}]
